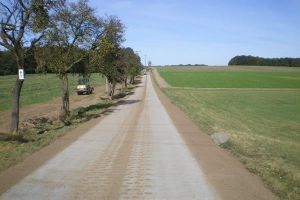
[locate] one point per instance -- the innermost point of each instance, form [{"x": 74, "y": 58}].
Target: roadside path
[{"x": 160, "y": 81}]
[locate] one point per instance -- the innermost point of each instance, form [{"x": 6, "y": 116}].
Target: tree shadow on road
[{"x": 127, "y": 102}]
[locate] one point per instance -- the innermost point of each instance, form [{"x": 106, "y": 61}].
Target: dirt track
[
  {"x": 139, "y": 152},
  {"x": 161, "y": 82}
]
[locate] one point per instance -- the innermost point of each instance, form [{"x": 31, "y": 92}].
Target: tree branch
[
  {"x": 76, "y": 62},
  {"x": 22, "y": 4},
  {"x": 6, "y": 7},
  {"x": 35, "y": 40},
  {"x": 23, "y": 23},
  {"x": 7, "y": 46},
  {"x": 4, "y": 34}
]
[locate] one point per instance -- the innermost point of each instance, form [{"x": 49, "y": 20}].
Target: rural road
[{"x": 136, "y": 152}]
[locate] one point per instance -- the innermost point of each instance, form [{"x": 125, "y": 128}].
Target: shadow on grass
[
  {"x": 127, "y": 102},
  {"x": 137, "y": 82},
  {"x": 78, "y": 115},
  {"x": 17, "y": 138},
  {"x": 135, "y": 86},
  {"x": 97, "y": 106},
  {"x": 93, "y": 111},
  {"x": 122, "y": 95}
]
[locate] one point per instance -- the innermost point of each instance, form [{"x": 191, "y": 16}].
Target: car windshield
[{"x": 82, "y": 81}]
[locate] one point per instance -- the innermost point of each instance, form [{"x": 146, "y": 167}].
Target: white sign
[{"x": 21, "y": 74}]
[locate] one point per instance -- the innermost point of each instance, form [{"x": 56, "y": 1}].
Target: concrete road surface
[{"x": 136, "y": 152}]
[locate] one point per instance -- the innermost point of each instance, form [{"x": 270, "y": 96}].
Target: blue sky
[{"x": 207, "y": 31}]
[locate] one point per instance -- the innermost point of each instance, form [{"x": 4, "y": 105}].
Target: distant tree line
[
  {"x": 8, "y": 63},
  {"x": 259, "y": 61},
  {"x": 186, "y": 65},
  {"x": 183, "y": 65}
]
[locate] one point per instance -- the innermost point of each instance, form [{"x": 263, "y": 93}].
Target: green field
[
  {"x": 263, "y": 124},
  {"x": 38, "y": 88},
  {"x": 230, "y": 78}
]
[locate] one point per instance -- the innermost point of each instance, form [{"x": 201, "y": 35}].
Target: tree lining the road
[
  {"x": 110, "y": 59},
  {"x": 62, "y": 37},
  {"x": 71, "y": 33},
  {"x": 23, "y": 24}
]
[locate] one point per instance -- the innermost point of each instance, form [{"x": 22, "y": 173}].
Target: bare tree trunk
[
  {"x": 112, "y": 87},
  {"x": 132, "y": 79},
  {"x": 65, "y": 109},
  {"x": 125, "y": 82},
  {"x": 109, "y": 90},
  {"x": 14, "y": 124},
  {"x": 15, "y": 114},
  {"x": 107, "y": 85}
]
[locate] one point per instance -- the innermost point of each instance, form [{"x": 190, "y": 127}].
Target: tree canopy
[
  {"x": 22, "y": 25},
  {"x": 71, "y": 34},
  {"x": 62, "y": 37},
  {"x": 106, "y": 53}
]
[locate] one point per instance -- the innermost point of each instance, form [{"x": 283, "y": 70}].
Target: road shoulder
[{"x": 159, "y": 80}]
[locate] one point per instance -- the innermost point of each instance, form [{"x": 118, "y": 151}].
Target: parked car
[
  {"x": 84, "y": 87},
  {"x": 145, "y": 71}
]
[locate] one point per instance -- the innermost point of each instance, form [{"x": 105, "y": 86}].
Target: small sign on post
[{"x": 21, "y": 74}]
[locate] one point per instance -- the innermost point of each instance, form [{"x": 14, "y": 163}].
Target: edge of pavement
[{"x": 226, "y": 174}]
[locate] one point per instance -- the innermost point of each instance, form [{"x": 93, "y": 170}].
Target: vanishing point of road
[{"x": 137, "y": 152}]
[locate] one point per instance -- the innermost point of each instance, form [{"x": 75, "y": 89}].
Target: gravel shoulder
[{"x": 161, "y": 82}]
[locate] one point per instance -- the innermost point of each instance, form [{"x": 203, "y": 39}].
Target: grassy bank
[
  {"x": 263, "y": 124},
  {"x": 38, "y": 88},
  {"x": 40, "y": 132}
]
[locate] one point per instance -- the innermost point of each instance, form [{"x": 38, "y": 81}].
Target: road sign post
[{"x": 21, "y": 74}]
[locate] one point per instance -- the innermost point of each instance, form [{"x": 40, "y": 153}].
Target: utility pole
[
  {"x": 145, "y": 60},
  {"x": 145, "y": 57}
]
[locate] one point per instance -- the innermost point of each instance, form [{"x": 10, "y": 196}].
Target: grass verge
[
  {"x": 263, "y": 127},
  {"x": 40, "y": 132}
]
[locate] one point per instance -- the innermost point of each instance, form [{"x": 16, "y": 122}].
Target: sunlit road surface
[{"x": 134, "y": 153}]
